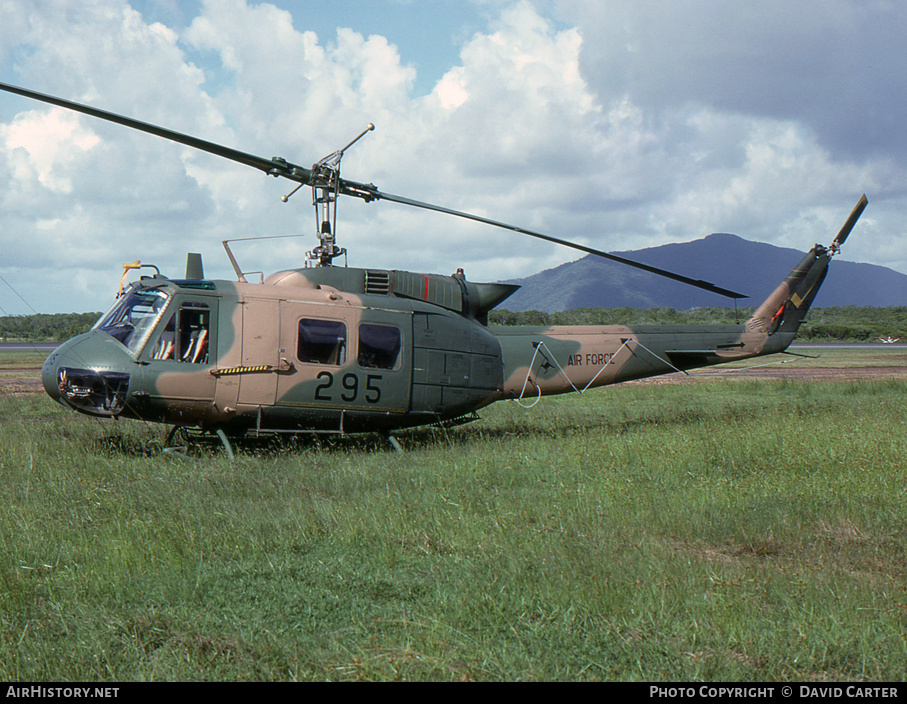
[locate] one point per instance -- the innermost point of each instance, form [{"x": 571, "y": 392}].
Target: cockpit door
[{"x": 178, "y": 358}]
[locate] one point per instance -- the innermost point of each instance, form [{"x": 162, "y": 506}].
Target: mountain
[{"x": 751, "y": 268}]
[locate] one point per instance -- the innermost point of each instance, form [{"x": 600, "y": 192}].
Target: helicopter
[{"x": 329, "y": 349}]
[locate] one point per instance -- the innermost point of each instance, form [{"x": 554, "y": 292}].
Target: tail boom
[{"x": 559, "y": 359}]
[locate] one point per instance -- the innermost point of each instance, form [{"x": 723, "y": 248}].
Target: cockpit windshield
[{"x": 133, "y": 316}]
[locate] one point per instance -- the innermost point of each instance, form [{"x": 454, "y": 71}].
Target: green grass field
[{"x": 722, "y": 529}]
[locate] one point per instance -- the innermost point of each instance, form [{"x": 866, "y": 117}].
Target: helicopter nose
[{"x": 87, "y": 375}]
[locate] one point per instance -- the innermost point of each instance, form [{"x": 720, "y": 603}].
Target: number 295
[{"x": 349, "y": 388}]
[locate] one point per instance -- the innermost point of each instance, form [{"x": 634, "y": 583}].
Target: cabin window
[
  {"x": 321, "y": 341},
  {"x": 186, "y": 335},
  {"x": 379, "y": 346}
]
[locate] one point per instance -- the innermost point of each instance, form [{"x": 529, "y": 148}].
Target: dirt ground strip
[
  {"x": 21, "y": 385},
  {"x": 815, "y": 373}
]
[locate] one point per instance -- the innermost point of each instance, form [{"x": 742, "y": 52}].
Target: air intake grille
[{"x": 377, "y": 282}]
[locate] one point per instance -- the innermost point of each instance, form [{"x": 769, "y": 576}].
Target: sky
[{"x": 619, "y": 124}]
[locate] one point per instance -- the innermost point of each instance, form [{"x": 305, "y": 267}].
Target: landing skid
[
  {"x": 459, "y": 420},
  {"x": 181, "y": 451},
  {"x": 393, "y": 442},
  {"x": 182, "y": 439}
]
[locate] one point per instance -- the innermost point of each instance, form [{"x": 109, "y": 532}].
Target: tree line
[{"x": 45, "y": 327}]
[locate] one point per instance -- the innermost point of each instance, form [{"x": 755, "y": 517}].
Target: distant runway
[{"x": 28, "y": 346}]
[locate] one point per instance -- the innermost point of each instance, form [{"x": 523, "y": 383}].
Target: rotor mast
[{"x": 325, "y": 184}]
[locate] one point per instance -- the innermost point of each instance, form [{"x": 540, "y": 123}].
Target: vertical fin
[{"x": 785, "y": 309}]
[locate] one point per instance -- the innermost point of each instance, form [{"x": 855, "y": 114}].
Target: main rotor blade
[
  {"x": 698, "y": 283},
  {"x": 276, "y": 167},
  {"x": 366, "y": 191}
]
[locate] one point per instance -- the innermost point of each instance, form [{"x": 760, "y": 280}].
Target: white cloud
[{"x": 39, "y": 143}]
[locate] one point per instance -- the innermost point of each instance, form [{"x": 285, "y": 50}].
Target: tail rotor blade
[{"x": 849, "y": 225}]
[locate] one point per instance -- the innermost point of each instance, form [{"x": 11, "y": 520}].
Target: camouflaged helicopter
[{"x": 331, "y": 349}]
